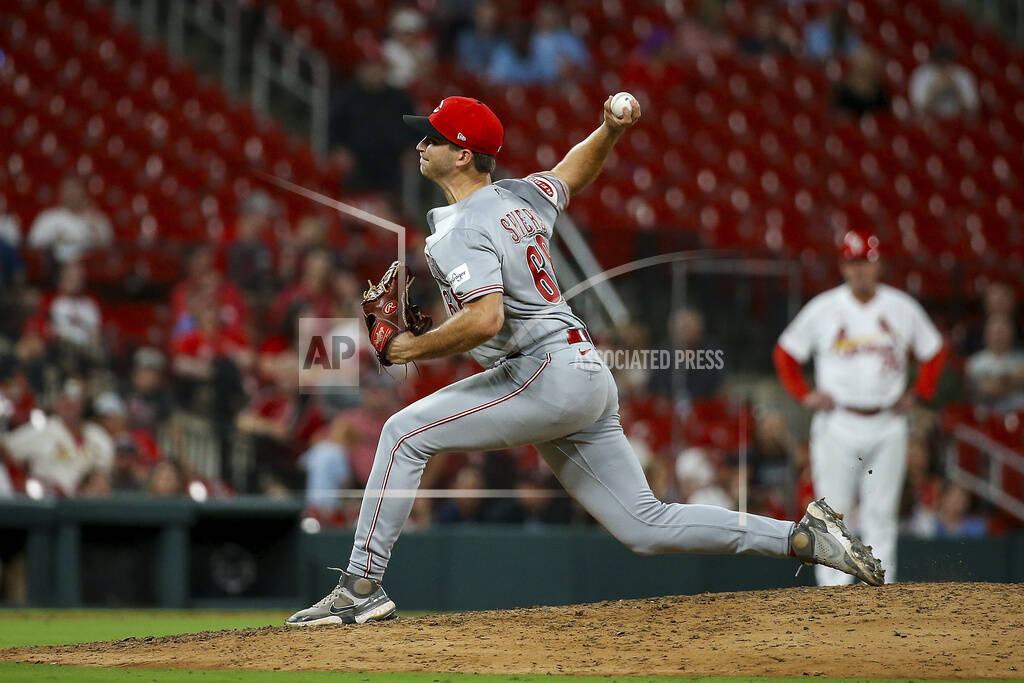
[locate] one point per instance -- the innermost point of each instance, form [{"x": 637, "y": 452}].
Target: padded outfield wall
[{"x": 252, "y": 553}]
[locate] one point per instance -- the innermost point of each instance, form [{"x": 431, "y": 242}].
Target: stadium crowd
[{"x": 79, "y": 419}]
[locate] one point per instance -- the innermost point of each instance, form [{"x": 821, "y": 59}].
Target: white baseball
[{"x": 619, "y": 103}]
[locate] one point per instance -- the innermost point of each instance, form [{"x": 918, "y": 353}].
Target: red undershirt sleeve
[
  {"x": 928, "y": 374},
  {"x": 790, "y": 374}
]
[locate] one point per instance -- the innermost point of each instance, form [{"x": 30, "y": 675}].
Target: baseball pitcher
[
  {"x": 860, "y": 335},
  {"x": 545, "y": 384}
]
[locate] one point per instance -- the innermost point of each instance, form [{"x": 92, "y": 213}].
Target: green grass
[{"x": 46, "y": 627}]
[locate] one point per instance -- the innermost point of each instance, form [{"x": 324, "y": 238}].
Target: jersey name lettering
[{"x": 522, "y": 223}]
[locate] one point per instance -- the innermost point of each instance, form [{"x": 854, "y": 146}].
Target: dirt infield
[{"x": 941, "y": 630}]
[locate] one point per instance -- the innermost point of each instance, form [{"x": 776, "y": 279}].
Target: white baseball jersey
[
  {"x": 860, "y": 349},
  {"x": 496, "y": 240},
  {"x": 52, "y": 453}
]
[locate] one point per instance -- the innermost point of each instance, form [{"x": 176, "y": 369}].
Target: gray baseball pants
[{"x": 565, "y": 403}]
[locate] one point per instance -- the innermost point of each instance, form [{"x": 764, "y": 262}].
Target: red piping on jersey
[
  {"x": 419, "y": 430},
  {"x": 928, "y": 374},
  {"x": 790, "y": 374},
  {"x": 565, "y": 189},
  {"x": 478, "y": 292}
]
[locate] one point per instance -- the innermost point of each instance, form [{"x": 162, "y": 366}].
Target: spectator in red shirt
[
  {"x": 311, "y": 293},
  {"x": 196, "y": 351},
  {"x": 250, "y": 263},
  {"x": 205, "y": 282},
  {"x": 653, "y": 67},
  {"x": 281, "y": 423},
  {"x": 208, "y": 364},
  {"x": 365, "y": 423},
  {"x": 111, "y": 414}
]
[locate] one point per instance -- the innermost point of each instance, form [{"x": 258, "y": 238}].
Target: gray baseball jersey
[
  {"x": 543, "y": 386},
  {"x": 496, "y": 240}
]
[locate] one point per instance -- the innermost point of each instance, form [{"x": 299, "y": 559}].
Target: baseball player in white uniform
[
  {"x": 544, "y": 384},
  {"x": 860, "y": 335}
]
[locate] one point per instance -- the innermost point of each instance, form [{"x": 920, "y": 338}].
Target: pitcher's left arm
[{"x": 478, "y": 321}]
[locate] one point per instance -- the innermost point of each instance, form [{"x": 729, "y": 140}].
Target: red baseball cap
[
  {"x": 462, "y": 121},
  {"x": 859, "y": 245}
]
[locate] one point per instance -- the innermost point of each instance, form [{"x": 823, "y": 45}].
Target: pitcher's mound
[{"x": 943, "y": 630}]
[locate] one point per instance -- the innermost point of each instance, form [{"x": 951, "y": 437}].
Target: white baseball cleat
[{"x": 821, "y": 537}]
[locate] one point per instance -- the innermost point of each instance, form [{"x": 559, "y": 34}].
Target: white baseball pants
[{"x": 861, "y": 459}]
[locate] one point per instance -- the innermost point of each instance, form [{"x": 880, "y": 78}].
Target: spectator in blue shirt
[
  {"x": 555, "y": 47},
  {"x": 953, "y": 517},
  {"x": 543, "y": 56},
  {"x": 514, "y": 60},
  {"x": 829, "y": 35},
  {"x": 475, "y": 46}
]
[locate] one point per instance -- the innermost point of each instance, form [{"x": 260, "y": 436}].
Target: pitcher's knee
[
  {"x": 399, "y": 427},
  {"x": 639, "y": 539},
  {"x": 645, "y": 533},
  {"x": 642, "y": 546},
  {"x": 399, "y": 435}
]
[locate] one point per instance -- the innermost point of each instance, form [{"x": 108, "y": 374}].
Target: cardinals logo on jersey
[
  {"x": 840, "y": 338},
  {"x": 884, "y": 326},
  {"x": 882, "y": 343}
]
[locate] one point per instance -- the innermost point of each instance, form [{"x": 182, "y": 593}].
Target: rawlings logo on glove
[{"x": 387, "y": 310}]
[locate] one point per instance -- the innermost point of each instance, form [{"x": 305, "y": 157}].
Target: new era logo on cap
[{"x": 463, "y": 121}]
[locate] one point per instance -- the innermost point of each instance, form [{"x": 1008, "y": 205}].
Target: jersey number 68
[{"x": 540, "y": 266}]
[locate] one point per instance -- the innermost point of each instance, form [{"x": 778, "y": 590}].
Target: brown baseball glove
[{"x": 387, "y": 310}]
